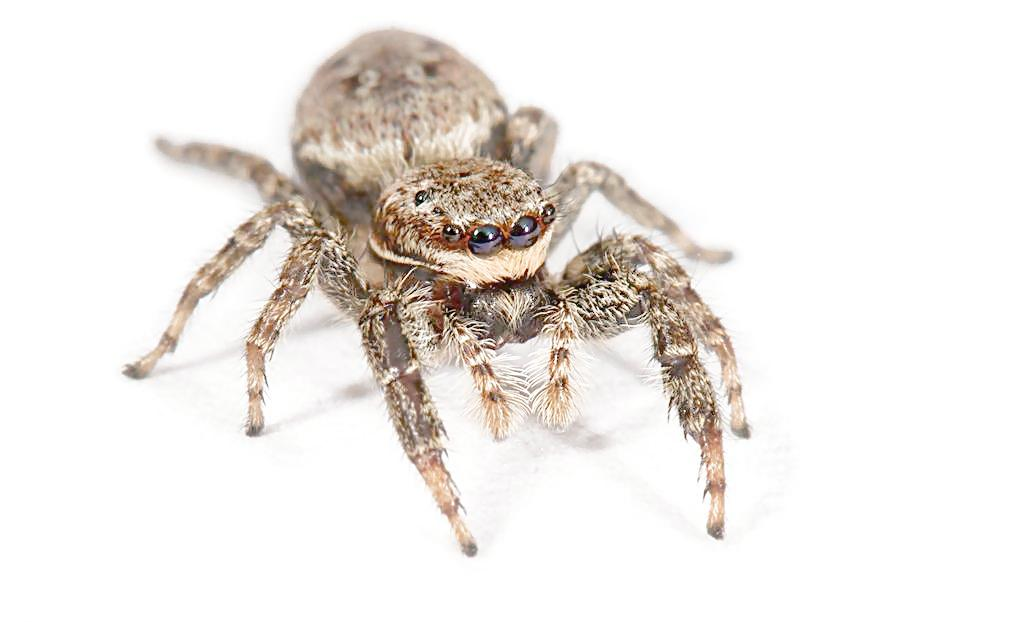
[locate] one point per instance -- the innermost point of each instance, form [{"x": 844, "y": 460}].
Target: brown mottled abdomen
[{"x": 387, "y": 101}]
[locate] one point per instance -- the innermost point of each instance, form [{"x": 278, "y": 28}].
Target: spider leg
[
  {"x": 690, "y": 393},
  {"x": 272, "y": 185},
  {"x": 383, "y": 324},
  {"x": 555, "y": 403},
  {"x": 619, "y": 282},
  {"x": 710, "y": 331},
  {"x": 705, "y": 325},
  {"x": 322, "y": 255},
  {"x": 530, "y": 137},
  {"x": 476, "y": 353},
  {"x": 294, "y": 284},
  {"x": 578, "y": 181},
  {"x": 339, "y": 277},
  {"x": 246, "y": 239}
]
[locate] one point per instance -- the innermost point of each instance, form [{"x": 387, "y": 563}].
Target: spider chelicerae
[{"x": 405, "y": 150}]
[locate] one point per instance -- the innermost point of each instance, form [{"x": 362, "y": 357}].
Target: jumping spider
[{"x": 406, "y": 151}]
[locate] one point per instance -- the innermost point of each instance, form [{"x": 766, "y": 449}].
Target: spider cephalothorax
[
  {"x": 478, "y": 220},
  {"x": 402, "y": 142}
]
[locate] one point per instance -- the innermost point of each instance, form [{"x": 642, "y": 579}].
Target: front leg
[
  {"x": 397, "y": 370},
  {"x": 579, "y": 180},
  {"x": 500, "y": 389}
]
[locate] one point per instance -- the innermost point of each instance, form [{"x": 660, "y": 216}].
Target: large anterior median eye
[
  {"x": 485, "y": 239},
  {"x": 524, "y": 232}
]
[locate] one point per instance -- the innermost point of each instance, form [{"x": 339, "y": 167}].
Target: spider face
[{"x": 478, "y": 220}]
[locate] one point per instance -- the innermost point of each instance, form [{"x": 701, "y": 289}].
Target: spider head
[{"x": 478, "y": 220}]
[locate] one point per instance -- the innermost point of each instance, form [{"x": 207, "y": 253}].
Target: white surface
[{"x": 864, "y": 162}]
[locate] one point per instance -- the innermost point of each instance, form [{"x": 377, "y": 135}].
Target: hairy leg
[
  {"x": 690, "y": 394},
  {"x": 619, "y": 282},
  {"x": 710, "y": 331},
  {"x": 324, "y": 256},
  {"x": 296, "y": 278},
  {"x": 578, "y": 181},
  {"x": 247, "y": 238},
  {"x": 555, "y": 403},
  {"x": 500, "y": 390},
  {"x": 706, "y": 325},
  {"x": 339, "y": 277},
  {"x": 584, "y": 307},
  {"x": 530, "y": 140},
  {"x": 271, "y": 183},
  {"x": 397, "y": 370},
  {"x": 672, "y": 278}
]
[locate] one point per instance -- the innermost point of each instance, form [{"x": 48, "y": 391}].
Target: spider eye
[
  {"x": 421, "y": 197},
  {"x": 548, "y": 214},
  {"x": 451, "y": 233},
  {"x": 485, "y": 239},
  {"x": 524, "y": 232}
]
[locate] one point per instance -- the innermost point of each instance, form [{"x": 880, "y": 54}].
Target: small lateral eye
[
  {"x": 451, "y": 233},
  {"x": 548, "y": 214},
  {"x": 421, "y": 197}
]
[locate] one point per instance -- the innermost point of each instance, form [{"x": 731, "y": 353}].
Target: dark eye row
[{"x": 486, "y": 239}]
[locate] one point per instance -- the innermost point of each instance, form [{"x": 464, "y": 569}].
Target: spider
[{"x": 410, "y": 161}]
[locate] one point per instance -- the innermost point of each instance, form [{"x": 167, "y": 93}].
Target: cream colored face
[{"x": 477, "y": 220}]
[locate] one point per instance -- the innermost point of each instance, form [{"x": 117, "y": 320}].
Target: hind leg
[
  {"x": 530, "y": 140},
  {"x": 272, "y": 184}
]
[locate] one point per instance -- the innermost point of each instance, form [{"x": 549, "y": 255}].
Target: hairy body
[{"x": 406, "y": 151}]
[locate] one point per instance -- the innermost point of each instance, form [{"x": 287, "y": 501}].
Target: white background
[{"x": 863, "y": 159}]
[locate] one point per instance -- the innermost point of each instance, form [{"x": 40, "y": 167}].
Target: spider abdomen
[{"x": 388, "y": 101}]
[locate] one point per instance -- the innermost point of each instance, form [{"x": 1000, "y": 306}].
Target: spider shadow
[
  {"x": 539, "y": 447},
  {"x": 348, "y": 393},
  {"x": 305, "y": 328},
  {"x": 581, "y": 438},
  {"x": 536, "y": 447},
  {"x": 509, "y": 479}
]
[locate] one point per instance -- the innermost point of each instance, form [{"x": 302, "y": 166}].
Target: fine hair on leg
[
  {"x": 272, "y": 185},
  {"x": 296, "y": 279},
  {"x": 705, "y": 325},
  {"x": 623, "y": 280},
  {"x": 578, "y": 181},
  {"x": 501, "y": 392},
  {"x": 251, "y": 235},
  {"x": 397, "y": 369}
]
